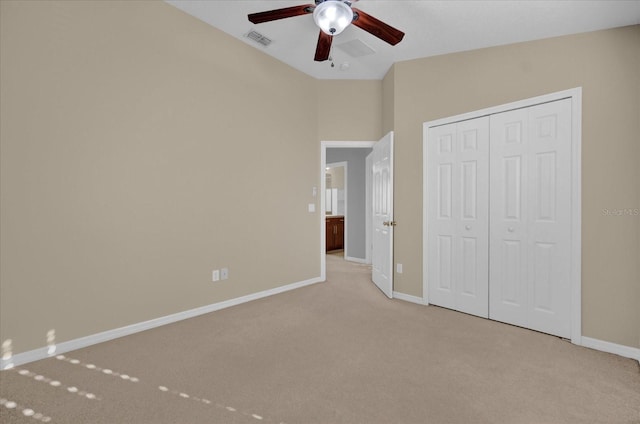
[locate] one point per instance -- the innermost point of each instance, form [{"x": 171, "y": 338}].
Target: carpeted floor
[{"x": 334, "y": 352}]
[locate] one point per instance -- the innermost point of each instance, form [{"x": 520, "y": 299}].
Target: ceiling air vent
[
  {"x": 356, "y": 48},
  {"x": 258, "y": 38}
]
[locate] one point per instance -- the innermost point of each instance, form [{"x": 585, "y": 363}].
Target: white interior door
[
  {"x": 457, "y": 239},
  {"x": 530, "y": 240},
  {"x": 382, "y": 219}
]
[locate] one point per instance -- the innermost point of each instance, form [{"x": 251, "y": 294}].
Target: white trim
[
  {"x": 42, "y": 353},
  {"x": 425, "y": 214},
  {"x": 408, "y": 298},
  {"x": 324, "y": 145},
  {"x": 546, "y": 98},
  {"x": 576, "y": 215},
  {"x": 575, "y": 94},
  {"x": 323, "y": 213},
  {"x": 357, "y": 260},
  {"x": 618, "y": 349}
]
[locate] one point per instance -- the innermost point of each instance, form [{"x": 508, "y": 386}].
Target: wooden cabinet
[{"x": 335, "y": 233}]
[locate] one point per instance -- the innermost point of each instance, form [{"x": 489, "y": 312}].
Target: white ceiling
[{"x": 431, "y": 27}]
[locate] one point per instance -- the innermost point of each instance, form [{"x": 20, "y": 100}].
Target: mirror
[{"x": 335, "y": 189}]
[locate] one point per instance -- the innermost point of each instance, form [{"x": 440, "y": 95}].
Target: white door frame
[
  {"x": 575, "y": 94},
  {"x": 324, "y": 145}
]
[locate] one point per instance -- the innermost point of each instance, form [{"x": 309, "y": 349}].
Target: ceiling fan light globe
[{"x": 332, "y": 16}]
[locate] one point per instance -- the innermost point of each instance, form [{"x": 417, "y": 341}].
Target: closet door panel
[
  {"x": 472, "y": 252},
  {"x": 530, "y": 218},
  {"x": 442, "y": 225},
  {"x": 457, "y": 241},
  {"x": 550, "y": 218},
  {"x": 508, "y": 217}
]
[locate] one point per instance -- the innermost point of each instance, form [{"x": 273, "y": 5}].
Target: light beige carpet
[{"x": 334, "y": 352}]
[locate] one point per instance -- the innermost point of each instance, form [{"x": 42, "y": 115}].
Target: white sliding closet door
[
  {"x": 458, "y": 175},
  {"x": 530, "y": 236}
]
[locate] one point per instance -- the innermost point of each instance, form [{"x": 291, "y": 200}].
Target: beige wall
[
  {"x": 138, "y": 150},
  {"x": 388, "y": 101},
  {"x": 606, "y": 65},
  {"x": 349, "y": 110}
]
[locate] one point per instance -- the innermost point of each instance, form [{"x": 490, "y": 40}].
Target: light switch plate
[{"x": 312, "y": 207}]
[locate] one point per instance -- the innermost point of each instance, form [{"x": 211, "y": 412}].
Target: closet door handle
[
  {"x": 467, "y": 227},
  {"x": 511, "y": 229}
]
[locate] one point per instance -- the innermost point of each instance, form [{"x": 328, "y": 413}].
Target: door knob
[
  {"x": 467, "y": 227},
  {"x": 389, "y": 223},
  {"x": 511, "y": 229}
]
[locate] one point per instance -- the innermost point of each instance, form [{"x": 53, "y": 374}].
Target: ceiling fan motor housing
[{"x": 333, "y": 16}]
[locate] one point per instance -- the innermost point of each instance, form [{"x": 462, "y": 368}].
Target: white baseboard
[
  {"x": 626, "y": 351},
  {"x": 64, "y": 347},
  {"x": 358, "y": 260},
  {"x": 43, "y": 352},
  {"x": 408, "y": 298},
  {"x": 601, "y": 345}
]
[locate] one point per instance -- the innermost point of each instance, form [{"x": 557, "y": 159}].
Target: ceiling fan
[{"x": 332, "y": 17}]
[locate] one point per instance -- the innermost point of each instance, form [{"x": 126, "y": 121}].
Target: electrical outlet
[
  {"x": 224, "y": 273},
  {"x": 215, "y": 275}
]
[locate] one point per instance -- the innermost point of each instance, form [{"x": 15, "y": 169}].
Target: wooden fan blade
[
  {"x": 287, "y": 12},
  {"x": 324, "y": 47},
  {"x": 377, "y": 27}
]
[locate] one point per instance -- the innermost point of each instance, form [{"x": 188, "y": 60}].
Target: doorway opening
[
  {"x": 352, "y": 202},
  {"x": 336, "y": 203}
]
